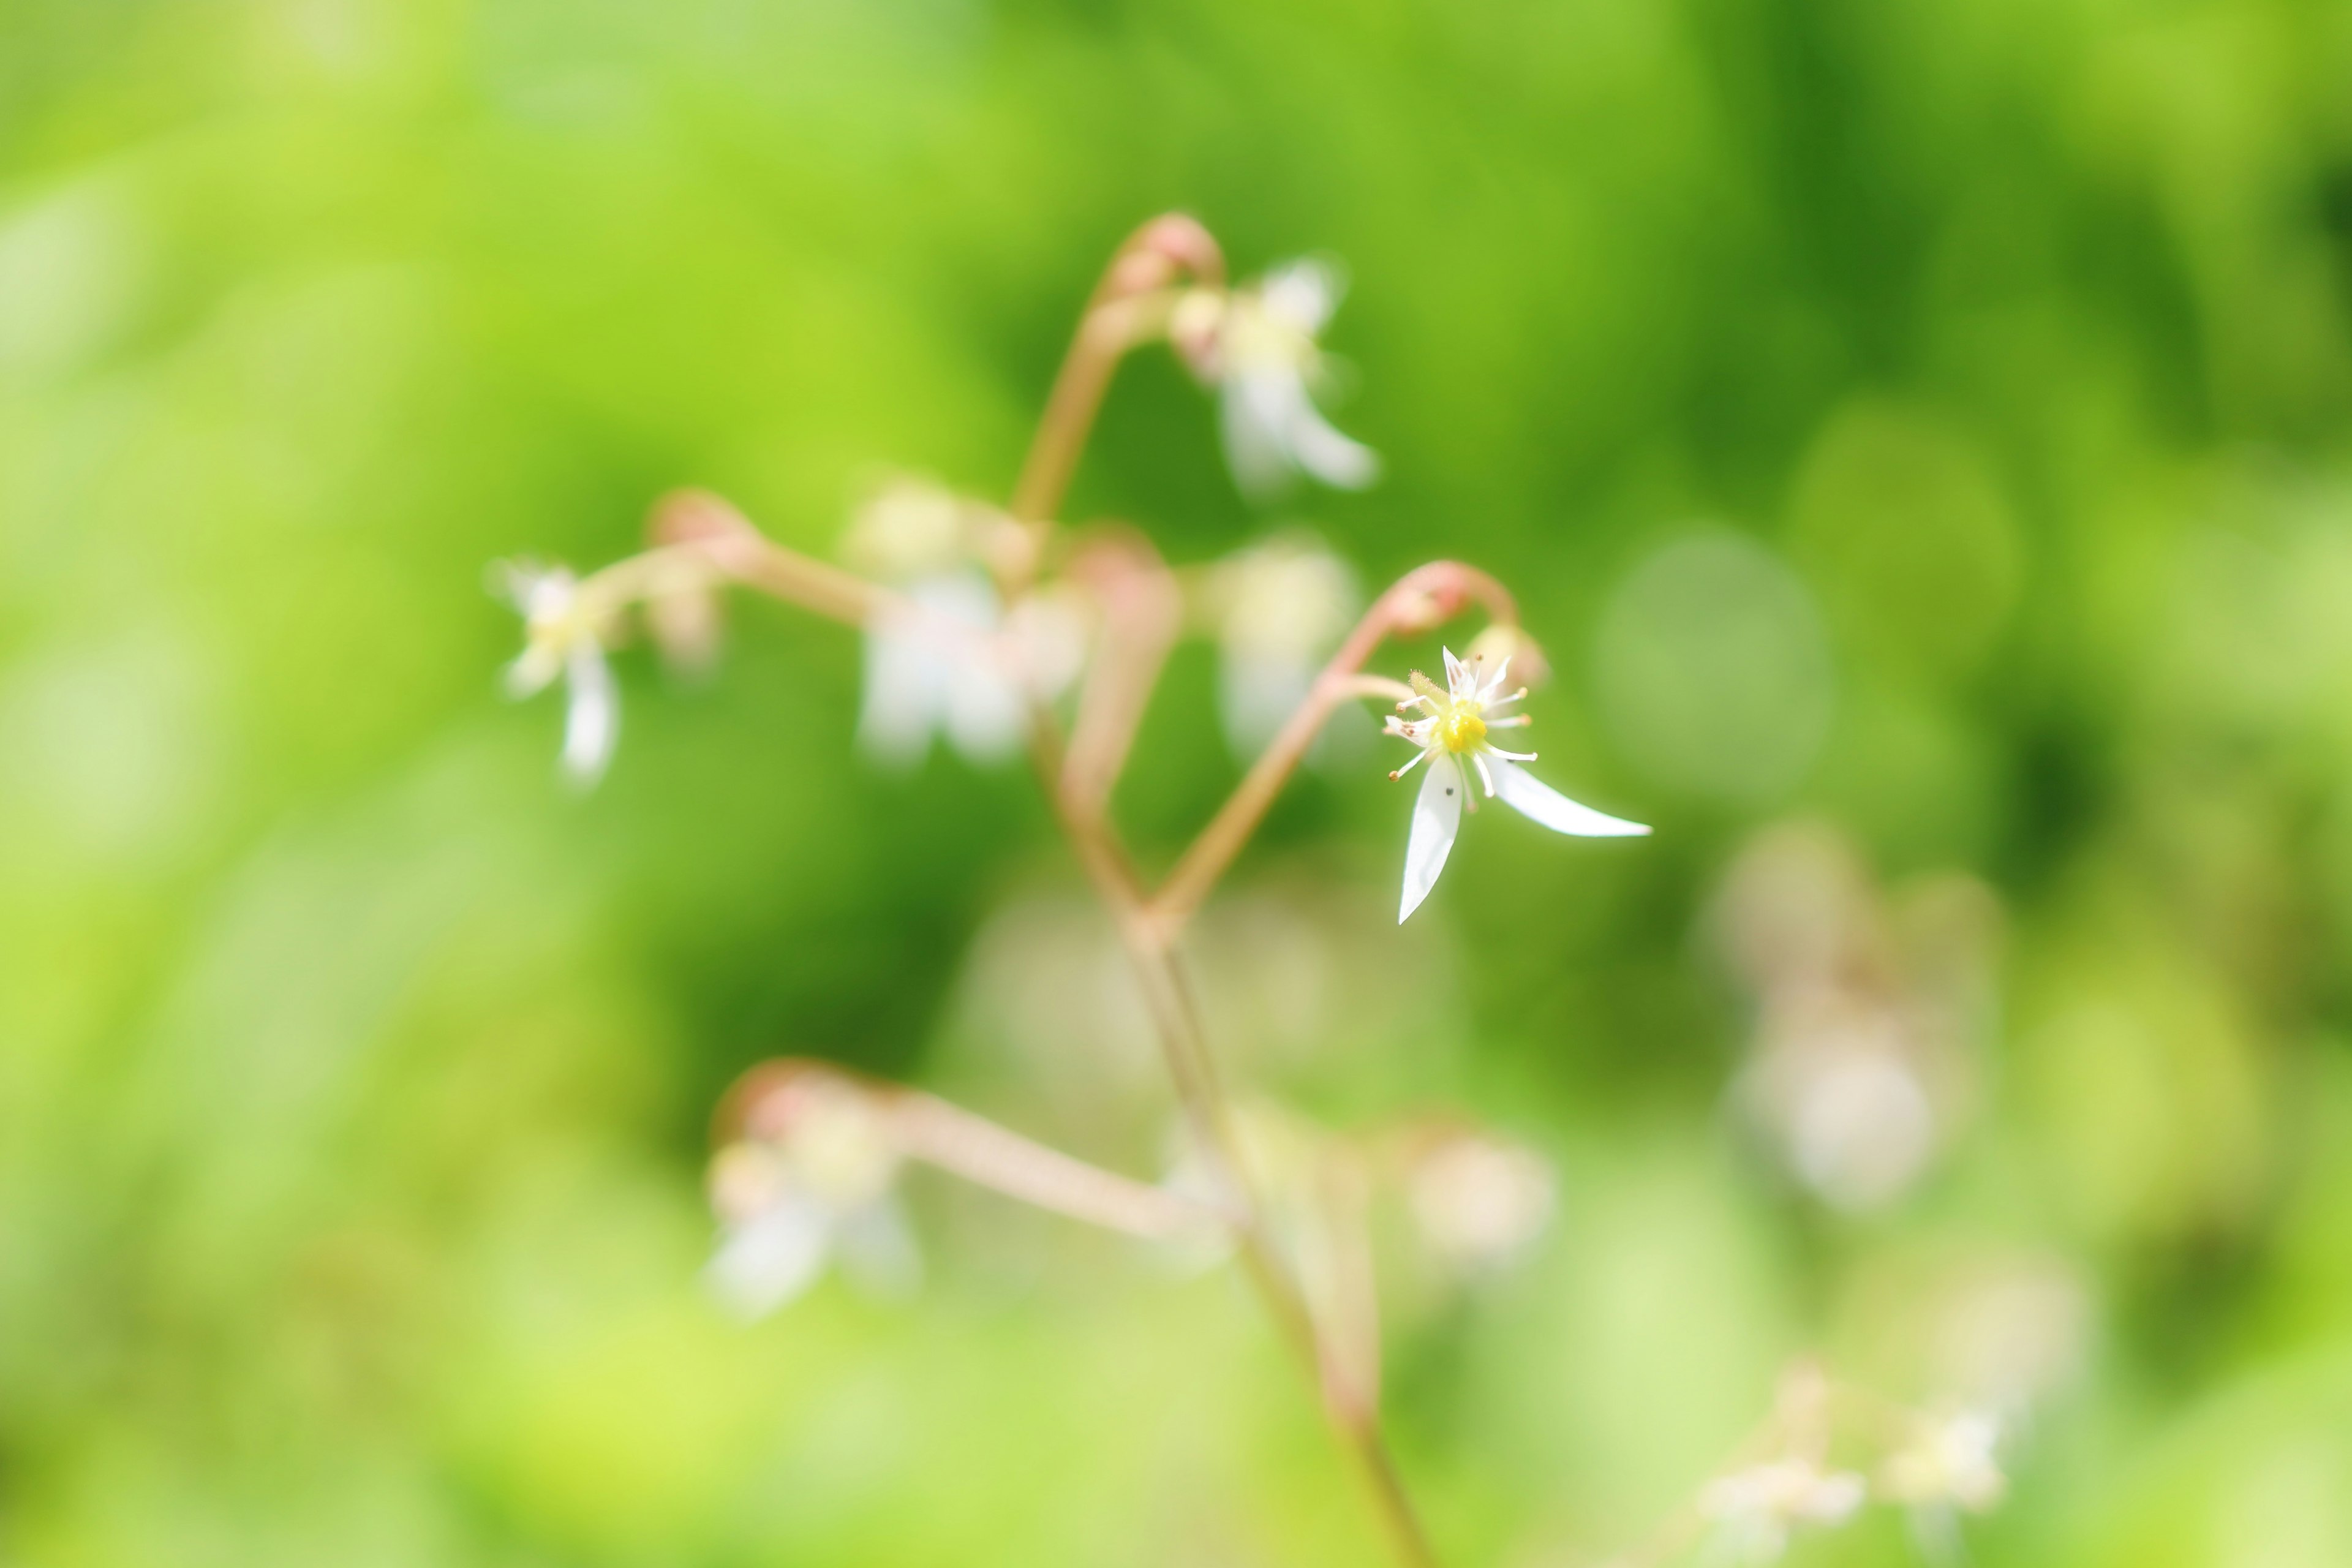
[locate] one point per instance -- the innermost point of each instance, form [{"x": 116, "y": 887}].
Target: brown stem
[
  {"x": 1142, "y": 613},
  {"x": 1421, "y": 599},
  {"x": 1129, "y": 302}
]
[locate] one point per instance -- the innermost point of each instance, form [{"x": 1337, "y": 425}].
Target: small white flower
[
  {"x": 816, "y": 1183},
  {"x": 1755, "y": 1509},
  {"x": 1481, "y": 1203},
  {"x": 1280, "y": 607},
  {"x": 1260, "y": 349},
  {"x": 1452, "y": 731},
  {"x": 565, "y": 630},
  {"x": 1950, "y": 1465},
  {"x": 954, "y": 662}
]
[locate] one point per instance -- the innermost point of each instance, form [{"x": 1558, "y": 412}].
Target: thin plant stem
[{"x": 1130, "y": 303}]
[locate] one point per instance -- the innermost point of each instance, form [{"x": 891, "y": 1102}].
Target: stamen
[
  {"x": 1484, "y": 777},
  {"x": 1418, "y": 758}
]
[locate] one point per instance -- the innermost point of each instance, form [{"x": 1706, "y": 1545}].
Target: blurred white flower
[
  {"x": 1859, "y": 1067},
  {"x": 953, "y": 662},
  {"x": 813, "y": 1180},
  {"x": 1280, "y": 609},
  {"x": 1950, "y": 1464},
  {"x": 1258, "y": 345},
  {"x": 565, "y": 631},
  {"x": 1480, "y": 1203},
  {"x": 1755, "y": 1511},
  {"x": 1452, "y": 734}
]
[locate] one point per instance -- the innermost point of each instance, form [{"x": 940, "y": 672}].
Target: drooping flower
[
  {"x": 1451, "y": 732},
  {"x": 565, "y": 631},
  {"x": 1257, "y": 345},
  {"x": 953, "y": 661},
  {"x": 1279, "y": 609},
  {"x": 813, "y": 1180},
  {"x": 1755, "y": 1511}
]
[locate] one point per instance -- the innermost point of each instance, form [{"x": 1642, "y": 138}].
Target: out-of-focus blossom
[
  {"x": 2011, "y": 1336},
  {"x": 1279, "y": 608},
  {"x": 1755, "y": 1511},
  {"x": 565, "y": 633},
  {"x": 1479, "y": 1201},
  {"x": 812, "y": 1180},
  {"x": 1451, "y": 731},
  {"x": 1258, "y": 346},
  {"x": 1950, "y": 1464},
  {"x": 1503, "y": 643},
  {"x": 1865, "y": 1017},
  {"x": 951, "y": 661}
]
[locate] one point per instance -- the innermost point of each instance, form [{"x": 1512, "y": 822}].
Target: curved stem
[{"x": 1129, "y": 305}]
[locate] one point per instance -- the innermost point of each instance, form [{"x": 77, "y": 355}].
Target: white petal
[
  {"x": 1302, "y": 294},
  {"x": 533, "y": 670},
  {"x": 983, "y": 713},
  {"x": 1436, "y": 817},
  {"x": 1455, "y": 672},
  {"x": 766, "y": 1262},
  {"x": 1253, "y": 416},
  {"x": 903, "y": 695},
  {"x": 1522, "y": 793},
  {"x": 1338, "y": 460},
  {"x": 592, "y": 719}
]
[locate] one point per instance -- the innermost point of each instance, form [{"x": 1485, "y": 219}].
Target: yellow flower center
[{"x": 1462, "y": 730}]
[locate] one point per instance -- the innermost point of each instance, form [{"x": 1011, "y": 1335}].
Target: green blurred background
[{"x": 1920, "y": 422}]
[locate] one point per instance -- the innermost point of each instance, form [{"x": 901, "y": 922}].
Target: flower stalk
[{"x": 815, "y": 1148}]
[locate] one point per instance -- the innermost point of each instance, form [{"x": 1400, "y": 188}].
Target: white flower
[
  {"x": 1755, "y": 1509},
  {"x": 566, "y": 630},
  {"x": 814, "y": 1184},
  {"x": 1280, "y": 607},
  {"x": 1452, "y": 734},
  {"x": 923, "y": 677},
  {"x": 1261, "y": 352},
  {"x": 1950, "y": 1465},
  {"x": 953, "y": 661},
  {"x": 1481, "y": 1203}
]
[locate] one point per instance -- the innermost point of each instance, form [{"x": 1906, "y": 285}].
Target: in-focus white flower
[
  {"x": 1951, "y": 1463},
  {"x": 565, "y": 631},
  {"x": 1280, "y": 608},
  {"x": 1754, "y": 1510},
  {"x": 1451, "y": 730},
  {"x": 953, "y": 662},
  {"x": 1258, "y": 345},
  {"x": 812, "y": 1180}
]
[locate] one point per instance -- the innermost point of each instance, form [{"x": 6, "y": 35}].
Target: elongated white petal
[
  {"x": 1457, "y": 679},
  {"x": 904, "y": 692},
  {"x": 533, "y": 670},
  {"x": 1253, "y": 416},
  {"x": 591, "y": 718},
  {"x": 1318, "y": 447},
  {"x": 1302, "y": 294},
  {"x": 1523, "y": 793},
  {"x": 765, "y": 1262},
  {"x": 1436, "y": 818}
]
